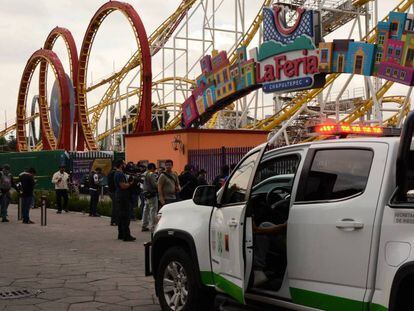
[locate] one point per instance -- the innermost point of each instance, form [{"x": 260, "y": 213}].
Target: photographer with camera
[
  {"x": 151, "y": 196},
  {"x": 122, "y": 198},
  {"x": 133, "y": 177},
  {"x": 95, "y": 181}
]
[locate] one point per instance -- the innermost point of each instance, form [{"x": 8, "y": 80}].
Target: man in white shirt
[{"x": 61, "y": 181}]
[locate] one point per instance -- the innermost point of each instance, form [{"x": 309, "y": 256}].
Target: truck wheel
[{"x": 176, "y": 282}]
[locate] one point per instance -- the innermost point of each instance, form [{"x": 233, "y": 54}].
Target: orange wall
[
  {"x": 157, "y": 146},
  {"x": 153, "y": 148}
]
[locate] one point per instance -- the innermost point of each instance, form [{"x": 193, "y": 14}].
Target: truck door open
[{"x": 231, "y": 232}]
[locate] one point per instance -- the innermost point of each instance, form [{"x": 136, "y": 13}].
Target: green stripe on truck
[
  {"x": 211, "y": 278},
  {"x": 330, "y": 303},
  {"x": 299, "y": 296}
]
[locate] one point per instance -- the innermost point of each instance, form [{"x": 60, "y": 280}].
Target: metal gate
[{"x": 212, "y": 160}]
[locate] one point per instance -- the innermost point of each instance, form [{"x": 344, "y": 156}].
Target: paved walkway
[{"x": 76, "y": 262}]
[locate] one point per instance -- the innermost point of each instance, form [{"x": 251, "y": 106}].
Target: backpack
[{"x": 5, "y": 181}]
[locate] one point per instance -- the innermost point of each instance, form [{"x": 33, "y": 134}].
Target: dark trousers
[
  {"x": 93, "y": 204},
  {"x": 26, "y": 203},
  {"x": 133, "y": 204},
  {"x": 169, "y": 201},
  {"x": 114, "y": 214},
  {"x": 62, "y": 194},
  {"x": 122, "y": 202},
  {"x": 4, "y": 203}
]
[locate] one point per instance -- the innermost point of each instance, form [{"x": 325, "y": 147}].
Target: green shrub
[{"x": 75, "y": 203}]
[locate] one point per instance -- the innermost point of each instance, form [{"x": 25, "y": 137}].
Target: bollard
[
  {"x": 43, "y": 211},
  {"x": 19, "y": 209}
]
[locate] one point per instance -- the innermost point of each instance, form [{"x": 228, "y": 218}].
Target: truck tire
[{"x": 176, "y": 282}]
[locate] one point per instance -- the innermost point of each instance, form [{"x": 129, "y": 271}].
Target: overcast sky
[{"x": 24, "y": 25}]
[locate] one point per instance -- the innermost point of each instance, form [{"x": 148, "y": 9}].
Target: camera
[{"x": 133, "y": 173}]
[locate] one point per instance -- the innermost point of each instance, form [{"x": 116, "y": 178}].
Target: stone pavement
[{"x": 76, "y": 262}]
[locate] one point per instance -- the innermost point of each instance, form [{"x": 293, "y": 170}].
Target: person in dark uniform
[
  {"x": 95, "y": 181},
  {"x": 188, "y": 183},
  {"x": 202, "y": 178},
  {"x": 122, "y": 197},
  {"x": 28, "y": 183},
  {"x": 111, "y": 192}
]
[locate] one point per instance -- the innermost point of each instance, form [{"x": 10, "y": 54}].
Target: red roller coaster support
[
  {"x": 64, "y": 131},
  {"x": 67, "y": 37},
  {"x": 144, "y": 117}
]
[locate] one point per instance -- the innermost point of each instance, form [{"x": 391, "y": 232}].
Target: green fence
[{"x": 45, "y": 163}]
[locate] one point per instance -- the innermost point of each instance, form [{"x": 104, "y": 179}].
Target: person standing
[
  {"x": 28, "y": 183},
  {"x": 6, "y": 183},
  {"x": 135, "y": 191},
  {"x": 168, "y": 184},
  {"x": 95, "y": 181},
  {"x": 151, "y": 196},
  {"x": 141, "y": 198},
  {"x": 188, "y": 183},
  {"x": 122, "y": 197},
  {"x": 221, "y": 179},
  {"x": 202, "y": 178},
  {"x": 61, "y": 181},
  {"x": 111, "y": 191}
]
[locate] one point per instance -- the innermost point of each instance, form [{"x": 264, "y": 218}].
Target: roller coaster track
[
  {"x": 363, "y": 109},
  {"x": 117, "y": 128},
  {"x": 144, "y": 115},
  {"x": 164, "y": 32},
  {"x": 130, "y": 121},
  {"x": 157, "y": 40},
  {"x": 393, "y": 120},
  {"x": 93, "y": 109},
  {"x": 63, "y": 141},
  {"x": 244, "y": 41},
  {"x": 12, "y": 127},
  {"x": 291, "y": 108},
  {"x": 367, "y": 105},
  {"x": 48, "y": 137},
  {"x": 102, "y": 105}
]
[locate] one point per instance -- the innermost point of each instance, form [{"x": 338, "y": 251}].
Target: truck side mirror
[
  {"x": 404, "y": 158},
  {"x": 205, "y": 195}
]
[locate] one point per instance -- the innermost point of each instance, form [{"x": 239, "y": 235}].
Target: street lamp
[{"x": 177, "y": 144}]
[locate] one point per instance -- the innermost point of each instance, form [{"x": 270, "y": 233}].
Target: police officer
[
  {"x": 95, "y": 181},
  {"x": 122, "y": 198}
]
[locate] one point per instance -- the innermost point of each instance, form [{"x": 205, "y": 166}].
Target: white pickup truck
[{"x": 326, "y": 225}]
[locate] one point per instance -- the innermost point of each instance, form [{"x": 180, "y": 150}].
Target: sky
[{"x": 25, "y": 24}]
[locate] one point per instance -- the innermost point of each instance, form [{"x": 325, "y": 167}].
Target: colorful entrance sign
[
  {"x": 396, "y": 49},
  {"x": 288, "y": 58},
  {"x": 220, "y": 84},
  {"x": 294, "y": 58},
  {"x": 390, "y": 58}
]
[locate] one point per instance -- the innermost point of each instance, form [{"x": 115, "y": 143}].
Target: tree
[
  {"x": 3, "y": 145},
  {"x": 12, "y": 142},
  {"x": 8, "y": 145}
]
